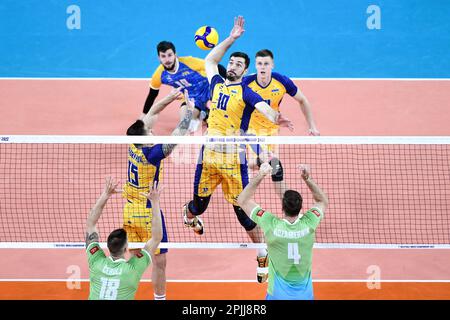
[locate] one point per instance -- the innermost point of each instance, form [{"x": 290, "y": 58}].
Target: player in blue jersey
[
  {"x": 181, "y": 72},
  {"x": 289, "y": 239}
]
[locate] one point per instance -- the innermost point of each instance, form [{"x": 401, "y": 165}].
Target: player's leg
[
  {"x": 233, "y": 184},
  {"x": 205, "y": 182},
  {"x": 159, "y": 267}
]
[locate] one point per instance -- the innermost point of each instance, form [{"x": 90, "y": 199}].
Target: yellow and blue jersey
[
  {"x": 191, "y": 75},
  {"x": 231, "y": 107},
  {"x": 144, "y": 168},
  {"x": 273, "y": 94}
]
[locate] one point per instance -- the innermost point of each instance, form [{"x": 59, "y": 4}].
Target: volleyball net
[{"x": 384, "y": 192}]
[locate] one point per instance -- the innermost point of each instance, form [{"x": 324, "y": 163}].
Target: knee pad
[
  {"x": 198, "y": 205},
  {"x": 244, "y": 219}
]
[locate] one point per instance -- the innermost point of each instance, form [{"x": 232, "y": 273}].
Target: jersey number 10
[
  {"x": 222, "y": 101},
  {"x": 293, "y": 252}
]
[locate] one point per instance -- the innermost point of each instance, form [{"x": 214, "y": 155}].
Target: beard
[
  {"x": 232, "y": 76},
  {"x": 171, "y": 67}
]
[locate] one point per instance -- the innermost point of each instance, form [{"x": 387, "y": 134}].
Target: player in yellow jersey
[
  {"x": 144, "y": 169},
  {"x": 232, "y": 105},
  {"x": 181, "y": 72}
]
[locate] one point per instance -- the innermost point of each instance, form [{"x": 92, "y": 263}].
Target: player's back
[
  {"x": 231, "y": 107},
  {"x": 114, "y": 279},
  {"x": 144, "y": 168}
]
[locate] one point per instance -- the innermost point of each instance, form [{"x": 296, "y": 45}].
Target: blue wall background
[{"x": 309, "y": 38}]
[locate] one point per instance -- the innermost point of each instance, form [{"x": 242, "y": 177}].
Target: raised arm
[
  {"x": 152, "y": 94},
  {"x": 213, "y": 58},
  {"x": 161, "y": 105},
  {"x": 320, "y": 198},
  {"x": 307, "y": 113},
  {"x": 183, "y": 126},
  {"x": 157, "y": 231},
  {"x": 96, "y": 211},
  {"x": 245, "y": 199}
]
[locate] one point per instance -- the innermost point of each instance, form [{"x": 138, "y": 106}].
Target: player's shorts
[
  {"x": 137, "y": 222},
  {"x": 283, "y": 290},
  {"x": 230, "y": 169}
]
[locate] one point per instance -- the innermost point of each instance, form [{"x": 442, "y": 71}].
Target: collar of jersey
[
  {"x": 295, "y": 222},
  {"x": 261, "y": 85},
  {"x": 118, "y": 260},
  {"x": 233, "y": 84}
]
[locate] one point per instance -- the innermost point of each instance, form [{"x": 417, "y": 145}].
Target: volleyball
[{"x": 206, "y": 38}]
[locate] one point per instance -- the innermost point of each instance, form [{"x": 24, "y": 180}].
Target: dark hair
[
  {"x": 137, "y": 129},
  {"x": 292, "y": 203},
  {"x": 163, "y": 46},
  {"x": 117, "y": 241},
  {"x": 264, "y": 53},
  {"x": 242, "y": 55}
]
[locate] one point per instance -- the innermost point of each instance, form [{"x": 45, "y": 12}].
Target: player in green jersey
[
  {"x": 289, "y": 240},
  {"x": 113, "y": 277}
]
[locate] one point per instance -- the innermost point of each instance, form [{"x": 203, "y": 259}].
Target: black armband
[
  {"x": 277, "y": 170},
  {"x": 222, "y": 71},
  {"x": 150, "y": 99}
]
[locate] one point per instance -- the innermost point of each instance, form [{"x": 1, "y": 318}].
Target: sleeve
[
  {"x": 250, "y": 97},
  {"x": 313, "y": 217},
  {"x": 140, "y": 261},
  {"x": 94, "y": 253},
  {"x": 155, "y": 82},
  {"x": 262, "y": 218},
  {"x": 196, "y": 64},
  {"x": 153, "y": 154},
  {"x": 290, "y": 86},
  {"x": 215, "y": 80}
]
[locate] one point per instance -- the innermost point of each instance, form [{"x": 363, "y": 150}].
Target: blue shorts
[{"x": 283, "y": 290}]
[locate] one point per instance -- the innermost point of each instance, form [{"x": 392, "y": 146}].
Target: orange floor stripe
[{"x": 232, "y": 291}]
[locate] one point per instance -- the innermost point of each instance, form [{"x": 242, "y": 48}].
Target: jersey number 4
[
  {"x": 110, "y": 288},
  {"x": 133, "y": 174},
  {"x": 293, "y": 252}
]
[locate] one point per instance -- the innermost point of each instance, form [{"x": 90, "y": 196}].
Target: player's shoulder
[
  {"x": 249, "y": 79},
  {"x": 280, "y": 77}
]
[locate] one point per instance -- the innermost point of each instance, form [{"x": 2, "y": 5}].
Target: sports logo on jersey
[
  {"x": 260, "y": 213},
  {"x": 317, "y": 213},
  {"x": 185, "y": 73},
  {"x": 94, "y": 249},
  {"x": 234, "y": 91},
  {"x": 275, "y": 90},
  {"x": 139, "y": 255}
]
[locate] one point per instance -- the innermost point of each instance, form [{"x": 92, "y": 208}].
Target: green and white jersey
[
  {"x": 114, "y": 279},
  {"x": 289, "y": 245}
]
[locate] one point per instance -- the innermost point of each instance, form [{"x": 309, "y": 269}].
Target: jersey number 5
[
  {"x": 293, "y": 252},
  {"x": 133, "y": 174}
]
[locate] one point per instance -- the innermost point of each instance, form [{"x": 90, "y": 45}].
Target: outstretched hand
[
  {"x": 175, "y": 94},
  {"x": 238, "y": 28},
  {"x": 111, "y": 186},
  {"x": 282, "y": 121},
  {"x": 265, "y": 169},
  {"x": 189, "y": 101},
  {"x": 154, "y": 193},
  {"x": 305, "y": 170}
]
